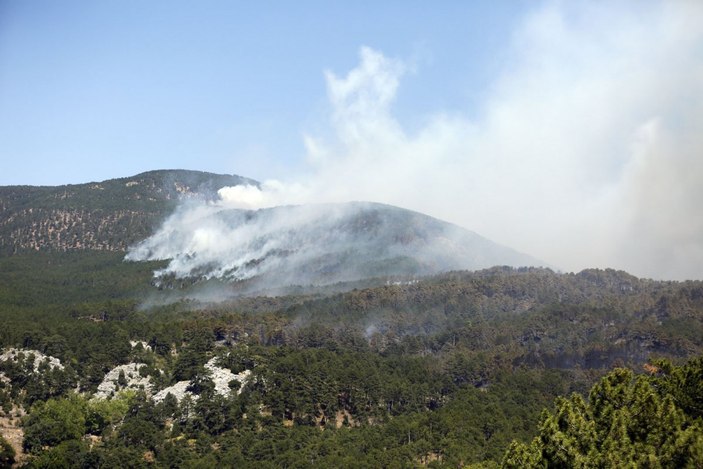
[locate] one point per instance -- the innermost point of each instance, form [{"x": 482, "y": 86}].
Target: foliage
[
  {"x": 7, "y": 454},
  {"x": 628, "y": 421},
  {"x": 443, "y": 371},
  {"x": 105, "y": 415},
  {"x": 54, "y": 421}
]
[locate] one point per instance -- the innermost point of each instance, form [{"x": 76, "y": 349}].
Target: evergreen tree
[
  {"x": 629, "y": 421},
  {"x": 7, "y": 454}
]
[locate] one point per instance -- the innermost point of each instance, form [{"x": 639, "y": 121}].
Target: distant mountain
[
  {"x": 317, "y": 245},
  {"x": 109, "y": 215},
  {"x": 167, "y": 215}
]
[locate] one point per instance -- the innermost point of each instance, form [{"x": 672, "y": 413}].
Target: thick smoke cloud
[
  {"x": 312, "y": 244},
  {"x": 220, "y": 240},
  {"x": 587, "y": 150}
]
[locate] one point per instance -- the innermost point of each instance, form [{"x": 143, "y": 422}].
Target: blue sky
[
  {"x": 569, "y": 130},
  {"x": 94, "y": 90}
]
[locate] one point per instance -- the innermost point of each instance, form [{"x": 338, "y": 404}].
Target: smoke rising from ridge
[
  {"x": 585, "y": 152},
  {"x": 313, "y": 244}
]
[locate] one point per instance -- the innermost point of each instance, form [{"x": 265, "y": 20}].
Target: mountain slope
[
  {"x": 177, "y": 216},
  {"x": 108, "y": 215},
  {"x": 316, "y": 244}
]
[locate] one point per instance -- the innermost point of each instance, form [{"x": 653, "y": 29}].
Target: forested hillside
[
  {"x": 444, "y": 371},
  {"x": 180, "y": 217},
  {"x": 103, "y": 364},
  {"x": 108, "y": 216}
]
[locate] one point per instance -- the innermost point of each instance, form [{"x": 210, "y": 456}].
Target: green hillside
[
  {"x": 485, "y": 369},
  {"x": 440, "y": 372},
  {"x": 107, "y": 216}
]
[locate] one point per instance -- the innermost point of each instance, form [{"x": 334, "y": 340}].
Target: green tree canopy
[
  {"x": 56, "y": 420},
  {"x": 628, "y": 421}
]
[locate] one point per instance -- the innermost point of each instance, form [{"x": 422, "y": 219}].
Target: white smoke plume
[
  {"x": 312, "y": 244},
  {"x": 270, "y": 194},
  {"x": 587, "y": 150}
]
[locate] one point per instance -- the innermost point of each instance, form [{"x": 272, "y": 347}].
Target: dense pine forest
[
  {"x": 102, "y": 365},
  {"x": 511, "y": 367}
]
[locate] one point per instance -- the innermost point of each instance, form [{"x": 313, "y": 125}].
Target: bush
[
  {"x": 7, "y": 454},
  {"x": 54, "y": 421}
]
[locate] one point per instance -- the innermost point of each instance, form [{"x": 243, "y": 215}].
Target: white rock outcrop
[
  {"x": 143, "y": 343},
  {"x": 179, "y": 391},
  {"x": 13, "y": 354},
  {"x": 109, "y": 385},
  {"x": 220, "y": 376}
]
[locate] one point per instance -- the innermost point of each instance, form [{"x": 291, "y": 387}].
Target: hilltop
[
  {"x": 316, "y": 245},
  {"x": 107, "y": 216},
  {"x": 177, "y": 216}
]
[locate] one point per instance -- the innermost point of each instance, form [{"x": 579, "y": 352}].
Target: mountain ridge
[
  {"x": 316, "y": 244},
  {"x": 107, "y": 215},
  {"x": 305, "y": 244}
]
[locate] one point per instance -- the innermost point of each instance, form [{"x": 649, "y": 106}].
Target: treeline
[
  {"x": 299, "y": 409},
  {"x": 83, "y": 311},
  {"x": 628, "y": 420},
  {"x": 444, "y": 371},
  {"x": 650, "y": 420},
  {"x": 50, "y": 284}
]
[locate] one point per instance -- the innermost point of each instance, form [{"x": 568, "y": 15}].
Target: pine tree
[{"x": 628, "y": 421}]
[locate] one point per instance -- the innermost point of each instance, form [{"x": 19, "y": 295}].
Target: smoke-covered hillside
[
  {"x": 315, "y": 244},
  {"x": 188, "y": 219}
]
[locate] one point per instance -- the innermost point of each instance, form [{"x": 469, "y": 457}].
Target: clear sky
[
  {"x": 569, "y": 130},
  {"x": 94, "y": 90}
]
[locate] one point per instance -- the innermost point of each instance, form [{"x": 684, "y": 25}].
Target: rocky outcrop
[
  {"x": 15, "y": 355},
  {"x": 221, "y": 377},
  {"x": 133, "y": 380},
  {"x": 143, "y": 343},
  {"x": 178, "y": 390}
]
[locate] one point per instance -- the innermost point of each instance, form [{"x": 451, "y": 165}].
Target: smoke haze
[
  {"x": 585, "y": 152},
  {"x": 313, "y": 244}
]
